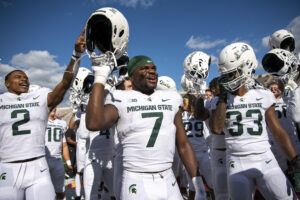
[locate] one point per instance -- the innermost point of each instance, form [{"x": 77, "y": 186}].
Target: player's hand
[
  {"x": 296, "y": 165},
  {"x": 102, "y": 67},
  {"x": 70, "y": 167},
  {"x": 199, "y": 188},
  {"x": 80, "y": 42},
  {"x": 223, "y": 95}
]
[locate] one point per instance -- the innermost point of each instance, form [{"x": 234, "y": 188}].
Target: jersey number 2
[
  {"x": 156, "y": 127},
  {"x": 15, "y": 126}
]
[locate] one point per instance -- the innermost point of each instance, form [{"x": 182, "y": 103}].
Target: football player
[
  {"x": 79, "y": 93},
  {"x": 56, "y": 146},
  {"x": 287, "y": 124},
  {"x": 117, "y": 153},
  {"x": 283, "y": 61},
  {"x": 149, "y": 124},
  {"x": 23, "y": 168},
  {"x": 196, "y": 69},
  {"x": 195, "y": 132},
  {"x": 245, "y": 114}
]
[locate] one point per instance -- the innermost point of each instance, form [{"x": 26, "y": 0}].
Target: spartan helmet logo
[
  {"x": 3, "y": 176},
  {"x": 231, "y": 164},
  {"x": 132, "y": 189}
]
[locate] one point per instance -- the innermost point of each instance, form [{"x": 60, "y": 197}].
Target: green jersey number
[
  {"x": 198, "y": 128},
  {"x": 238, "y": 116},
  {"x": 15, "y": 126},
  {"x": 56, "y": 134},
  {"x": 156, "y": 127}
]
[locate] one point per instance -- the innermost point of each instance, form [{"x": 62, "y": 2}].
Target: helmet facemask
[
  {"x": 196, "y": 67},
  {"x": 233, "y": 80},
  {"x": 281, "y": 63}
]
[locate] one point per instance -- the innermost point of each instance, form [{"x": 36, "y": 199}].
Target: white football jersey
[
  {"x": 23, "y": 124},
  {"x": 218, "y": 140},
  {"x": 195, "y": 131},
  {"x": 146, "y": 128},
  {"x": 245, "y": 126},
  {"x": 54, "y": 138},
  {"x": 293, "y": 106},
  {"x": 82, "y": 132}
]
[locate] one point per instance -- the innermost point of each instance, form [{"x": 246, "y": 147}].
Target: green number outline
[
  {"x": 258, "y": 122},
  {"x": 156, "y": 127},
  {"x": 237, "y": 123},
  {"x": 15, "y": 126},
  {"x": 54, "y": 134},
  {"x": 249, "y": 113}
]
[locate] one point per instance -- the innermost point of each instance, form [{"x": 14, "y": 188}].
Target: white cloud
[
  {"x": 40, "y": 67},
  {"x": 265, "y": 41},
  {"x": 128, "y": 3},
  {"x": 203, "y": 43},
  {"x": 214, "y": 60},
  {"x": 294, "y": 27}
]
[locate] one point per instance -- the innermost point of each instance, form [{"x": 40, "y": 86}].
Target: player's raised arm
[
  {"x": 217, "y": 120},
  {"x": 98, "y": 115},
  {"x": 56, "y": 96}
]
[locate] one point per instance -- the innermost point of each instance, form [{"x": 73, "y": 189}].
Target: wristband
[
  {"x": 68, "y": 162},
  {"x": 76, "y": 55}
]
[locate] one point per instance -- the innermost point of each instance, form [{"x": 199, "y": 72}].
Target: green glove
[{"x": 223, "y": 94}]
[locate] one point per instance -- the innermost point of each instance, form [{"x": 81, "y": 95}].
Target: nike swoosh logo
[
  {"x": 164, "y": 100},
  {"x": 268, "y": 161},
  {"x": 257, "y": 99},
  {"x": 173, "y": 184},
  {"x": 34, "y": 98},
  {"x": 42, "y": 170}
]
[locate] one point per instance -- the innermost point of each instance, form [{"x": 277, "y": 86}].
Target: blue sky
[{"x": 38, "y": 36}]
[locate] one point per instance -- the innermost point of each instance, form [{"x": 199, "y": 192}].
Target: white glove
[
  {"x": 289, "y": 88},
  {"x": 109, "y": 85},
  {"x": 199, "y": 188},
  {"x": 102, "y": 67},
  {"x": 291, "y": 85}
]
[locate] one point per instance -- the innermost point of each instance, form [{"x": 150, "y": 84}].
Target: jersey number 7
[{"x": 156, "y": 127}]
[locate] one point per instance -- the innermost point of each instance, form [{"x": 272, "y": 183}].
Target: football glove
[
  {"x": 223, "y": 95},
  {"x": 102, "y": 66},
  {"x": 199, "y": 188}
]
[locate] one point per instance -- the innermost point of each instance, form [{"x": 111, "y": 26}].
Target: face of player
[
  {"x": 127, "y": 85},
  {"x": 52, "y": 114},
  {"x": 185, "y": 104},
  {"x": 208, "y": 95},
  {"x": 274, "y": 88},
  {"x": 17, "y": 83},
  {"x": 144, "y": 79}
]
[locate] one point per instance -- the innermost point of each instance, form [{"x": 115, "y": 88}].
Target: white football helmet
[
  {"x": 282, "y": 39},
  {"x": 107, "y": 29},
  {"x": 165, "y": 83},
  {"x": 237, "y": 62},
  {"x": 186, "y": 84},
  {"x": 81, "y": 87},
  {"x": 281, "y": 63},
  {"x": 200, "y": 89},
  {"x": 33, "y": 87},
  {"x": 196, "y": 66}
]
